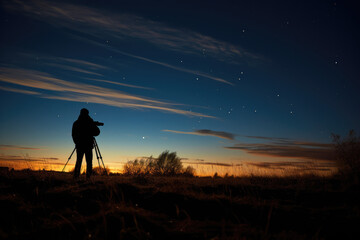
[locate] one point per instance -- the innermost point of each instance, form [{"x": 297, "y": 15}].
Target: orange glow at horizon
[{"x": 201, "y": 170}]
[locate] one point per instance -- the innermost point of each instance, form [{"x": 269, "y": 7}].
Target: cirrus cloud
[
  {"x": 206, "y": 132},
  {"x": 82, "y": 92},
  {"x": 288, "y": 149},
  {"x": 16, "y": 147},
  {"x": 88, "y": 23},
  {"x": 94, "y": 22}
]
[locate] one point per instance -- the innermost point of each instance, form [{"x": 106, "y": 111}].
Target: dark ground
[{"x": 51, "y": 205}]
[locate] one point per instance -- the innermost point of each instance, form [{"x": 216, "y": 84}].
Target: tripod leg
[
  {"x": 97, "y": 156},
  {"x": 97, "y": 147},
  {"x": 68, "y": 159}
]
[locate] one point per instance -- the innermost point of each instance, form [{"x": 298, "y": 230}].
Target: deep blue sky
[{"x": 229, "y": 81}]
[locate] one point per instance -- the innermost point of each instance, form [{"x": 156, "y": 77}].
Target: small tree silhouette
[
  {"x": 168, "y": 163},
  {"x": 348, "y": 154}
]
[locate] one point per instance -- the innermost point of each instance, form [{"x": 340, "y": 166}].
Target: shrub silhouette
[
  {"x": 139, "y": 167},
  {"x": 100, "y": 171},
  {"x": 348, "y": 154},
  {"x": 168, "y": 164},
  {"x": 189, "y": 171}
]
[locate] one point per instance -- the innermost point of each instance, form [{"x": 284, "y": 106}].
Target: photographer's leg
[
  {"x": 89, "y": 158},
  {"x": 79, "y": 157}
]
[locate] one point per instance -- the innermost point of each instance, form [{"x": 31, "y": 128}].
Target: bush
[
  {"x": 100, "y": 171},
  {"x": 168, "y": 164},
  {"x": 348, "y": 154},
  {"x": 139, "y": 167},
  {"x": 189, "y": 171}
]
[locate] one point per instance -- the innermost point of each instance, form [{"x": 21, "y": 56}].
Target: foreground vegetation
[
  {"x": 347, "y": 151},
  {"x": 156, "y": 198},
  {"x": 166, "y": 164},
  {"x": 51, "y": 205}
]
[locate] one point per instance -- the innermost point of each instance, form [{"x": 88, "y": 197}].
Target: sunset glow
[{"x": 232, "y": 92}]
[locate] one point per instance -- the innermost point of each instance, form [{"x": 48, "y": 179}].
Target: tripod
[{"x": 98, "y": 156}]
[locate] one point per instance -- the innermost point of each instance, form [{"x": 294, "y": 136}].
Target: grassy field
[{"x": 51, "y": 205}]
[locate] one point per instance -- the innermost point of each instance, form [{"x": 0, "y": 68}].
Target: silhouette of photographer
[{"x": 83, "y": 132}]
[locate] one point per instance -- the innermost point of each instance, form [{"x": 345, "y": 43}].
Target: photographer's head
[
  {"x": 84, "y": 116},
  {"x": 84, "y": 112}
]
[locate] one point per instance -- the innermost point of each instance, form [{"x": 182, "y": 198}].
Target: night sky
[{"x": 225, "y": 82}]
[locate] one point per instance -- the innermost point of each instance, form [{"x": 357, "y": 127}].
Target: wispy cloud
[
  {"x": 117, "y": 103},
  {"x": 16, "y": 147},
  {"x": 81, "y": 92},
  {"x": 268, "y": 138},
  {"x": 84, "y": 63},
  {"x": 27, "y": 158},
  {"x": 289, "y": 149},
  {"x": 94, "y": 21},
  {"x": 16, "y": 90},
  {"x": 85, "y": 68},
  {"x": 74, "y": 69},
  {"x": 175, "y": 67},
  {"x": 123, "y": 27},
  {"x": 19, "y": 158},
  {"x": 119, "y": 83},
  {"x": 69, "y": 62},
  {"x": 206, "y": 132},
  {"x": 41, "y": 80},
  {"x": 164, "y": 64},
  {"x": 213, "y": 164},
  {"x": 303, "y": 165}
]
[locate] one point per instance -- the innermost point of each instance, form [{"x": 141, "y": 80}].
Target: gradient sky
[{"x": 217, "y": 81}]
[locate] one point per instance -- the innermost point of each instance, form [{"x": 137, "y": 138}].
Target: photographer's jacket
[{"x": 83, "y": 131}]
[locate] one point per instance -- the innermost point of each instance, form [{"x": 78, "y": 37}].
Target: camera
[{"x": 98, "y": 123}]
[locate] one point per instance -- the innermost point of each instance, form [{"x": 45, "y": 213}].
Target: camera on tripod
[{"x": 98, "y": 123}]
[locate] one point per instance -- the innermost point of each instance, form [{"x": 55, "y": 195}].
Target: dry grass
[{"x": 51, "y": 205}]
